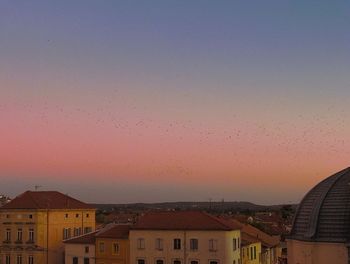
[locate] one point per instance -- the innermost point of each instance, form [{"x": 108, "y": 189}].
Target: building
[
  {"x": 259, "y": 247},
  {"x": 81, "y": 249},
  {"x": 34, "y": 224},
  {"x": 112, "y": 245},
  {"x": 321, "y": 228},
  {"x": 184, "y": 237}
]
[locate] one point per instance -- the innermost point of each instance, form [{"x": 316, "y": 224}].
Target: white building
[
  {"x": 184, "y": 238},
  {"x": 80, "y": 250}
]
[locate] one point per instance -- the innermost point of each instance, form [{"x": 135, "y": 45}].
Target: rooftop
[
  {"x": 84, "y": 239},
  {"x": 45, "y": 200},
  {"x": 114, "y": 231},
  {"x": 324, "y": 213},
  {"x": 183, "y": 220},
  {"x": 251, "y": 234}
]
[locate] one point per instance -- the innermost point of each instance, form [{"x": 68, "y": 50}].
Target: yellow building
[
  {"x": 112, "y": 245},
  {"x": 251, "y": 251},
  {"x": 34, "y": 224},
  {"x": 257, "y": 247}
]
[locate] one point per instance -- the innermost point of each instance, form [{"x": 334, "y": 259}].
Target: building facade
[
  {"x": 34, "y": 225},
  {"x": 184, "y": 238},
  {"x": 112, "y": 245},
  {"x": 81, "y": 249}
]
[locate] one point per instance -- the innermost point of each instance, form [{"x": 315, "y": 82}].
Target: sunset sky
[{"x": 144, "y": 101}]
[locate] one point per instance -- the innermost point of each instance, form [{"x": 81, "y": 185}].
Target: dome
[{"x": 324, "y": 213}]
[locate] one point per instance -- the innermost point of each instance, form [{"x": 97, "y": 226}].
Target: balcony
[
  {"x": 18, "y": 242},
  {"x": 6, "y": 242},
  {"x": 30, "y": 242}
]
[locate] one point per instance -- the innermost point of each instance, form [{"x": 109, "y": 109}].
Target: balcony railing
[
  {"x": 30, "y": 242},
  {"x": 6, "y": 242},
  {"x": 18, "y": 242}
]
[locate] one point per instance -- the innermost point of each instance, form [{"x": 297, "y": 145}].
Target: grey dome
[{"x": 324, "y": 213}]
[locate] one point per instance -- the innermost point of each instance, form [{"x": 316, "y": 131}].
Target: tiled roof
[
  {"x": 252, "y": 234},
  {"x": 45, "y": 200},
  {"x": 183, "y": 220},
  {"x": 84, "y": 239},
  {"x": 114, "y": 231}
]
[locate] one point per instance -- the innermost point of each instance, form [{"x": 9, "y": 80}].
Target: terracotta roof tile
[
  {"x": 183, "y": 220},
  {"x": 114, "y": 231},
  {"x": 45, "y": 200},
  {"x": 251, "y": 233},
  {"x": 84, "y": 239}
]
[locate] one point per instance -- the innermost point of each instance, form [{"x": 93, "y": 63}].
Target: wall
[
  {"x": 300, "y": 252},
  {"x": 223, "y": 255},
  {"x": 108, "y": 257},
  {"x": 54, "y": 230},
  {"x": 78, "y": 250}
]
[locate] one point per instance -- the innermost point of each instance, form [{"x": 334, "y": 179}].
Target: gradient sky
[{"x": 143, "y": 101}]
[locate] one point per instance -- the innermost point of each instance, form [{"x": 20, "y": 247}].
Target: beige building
[
  {"x": 81, "y": 249},
  {"x": 184, "y": 238},
  {"x": 321, "y": 228},
  {"x": 34, "y": 224}
]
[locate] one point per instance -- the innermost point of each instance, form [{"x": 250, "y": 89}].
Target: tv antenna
[{"x": 36, "y": 187}]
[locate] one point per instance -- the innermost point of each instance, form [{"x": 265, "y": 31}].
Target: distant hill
[{"x": 213, "y": 206}]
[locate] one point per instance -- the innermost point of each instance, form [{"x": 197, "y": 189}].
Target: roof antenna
[{"x": 36, "y": 187}]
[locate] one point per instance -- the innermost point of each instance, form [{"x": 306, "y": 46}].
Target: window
[
  {"x": 159, "y": 244},
  {"x": 19, "y": 259},
  {"x": 254, "y": 252},
  {"x": 213, "y": 245},
  {"x": 30, "y": 216},
  {"x": 75, "y": 260},
  {"x": 87, "y": 249},
  {"x": 238, "y": 243},
  {"x": 251, "y": 253},
  {"x": 30, "y": 260},
  {"x": 242, "y": 252},
  {"x": 66, "y": 216},
  {"x": 19, "y": 235},
  {"x": 77, "y": 231},
  {"x": 66, "y": 233},
  {"x": 141, "y": 243},
  {"x": 193, "y": 244},
  {"x": 86, "y": 261},
  {"x": 8, "y": 259},
  {"x": 177, "y": 243},
  {"x": 87, "y": 215},
  {"x": 177, "y": 261},
  {"x": 213, "y": 262},
  {"x": 87, "y": 230},
  {"x": 141, "y": 261},
  {"x": 31, "y": 235},
  {"x": 7, "y": 216},
  {"x": 76, "y": 215},
  {"x": 194, "y": 262},
  {"x": 115, "y": 248},
  {"x": 8, "y": 234},
  {"x": 159, "y": 261},
  {"x": 234, "y": 262},
  {"x": 101, "y": 247},
  {"x": 234, "y": 241}
]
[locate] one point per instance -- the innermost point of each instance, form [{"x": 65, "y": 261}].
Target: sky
[{"x": 152, "y": 101}]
